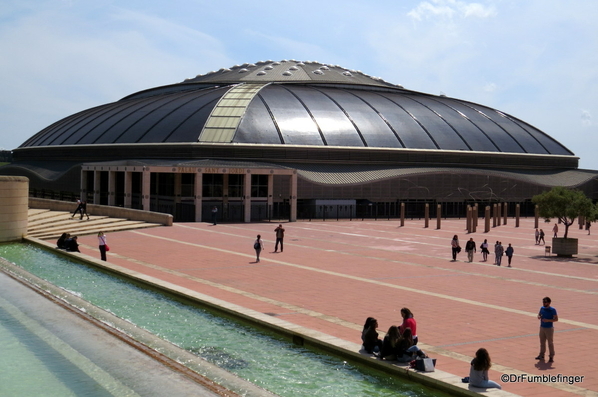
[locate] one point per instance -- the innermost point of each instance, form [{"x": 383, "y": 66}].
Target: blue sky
[{"x": 534, "y": 59}]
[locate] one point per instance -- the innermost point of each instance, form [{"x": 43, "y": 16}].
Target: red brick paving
[{"x": 332, "y": 275}]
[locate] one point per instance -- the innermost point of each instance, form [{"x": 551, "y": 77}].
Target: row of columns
[
  {"x": 96, "y": 170},
  {"x": 494, "y": 213}
]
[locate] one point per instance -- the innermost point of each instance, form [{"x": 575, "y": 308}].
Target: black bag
[
  {"x": 257, "y": 245},
  {"x": 458, "y": 249}
]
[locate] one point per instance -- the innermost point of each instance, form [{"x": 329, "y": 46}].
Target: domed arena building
[{"x": 291, "y": 139}]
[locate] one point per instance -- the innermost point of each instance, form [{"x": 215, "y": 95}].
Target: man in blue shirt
[{"x": 547, "y": 317}]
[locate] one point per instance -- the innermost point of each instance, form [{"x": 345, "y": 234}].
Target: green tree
[{"x": 565, "y": 205}]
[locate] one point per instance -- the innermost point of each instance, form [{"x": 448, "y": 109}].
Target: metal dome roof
[{"x": 298, "y": 103}]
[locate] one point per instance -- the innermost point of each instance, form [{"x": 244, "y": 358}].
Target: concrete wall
[
  {"x": 14, "y": 197},
  {"x": 103, "y": 210}
]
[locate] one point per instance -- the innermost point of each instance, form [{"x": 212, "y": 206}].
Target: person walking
[
  {"x": 455, "y": 247},
  {"x": 78, "y": 209},
  {"x": 509, "y": 253},
  {"x": 279, "y": 238},
  {"x": 541, "y": 237},
  {"x": 214, "y": 215},
  {"x": 478, "y": 372},
  {"x": 499, "y": 250},
  {"x": 537, "y": 236},
  {"x": 258, "y": 246},
  {"x": 484, "y": 248},
  {"x": 547, "y": 316},
  {"x": 470, "y": 249},
  {"x": 495, "y": 256},
  {"x": 84, "y": 210},
  {"x": 555, "y": 230},
  {"x": 102, "y": 245}
]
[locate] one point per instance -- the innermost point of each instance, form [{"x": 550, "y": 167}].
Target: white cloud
[
  {"x": 450, "y": 8},
  {"x": 425, "y": 10},
  {"x": 586, "y": 117},
  {"x": 489, "y": 87},
  {"x": 477, "y": 10}
]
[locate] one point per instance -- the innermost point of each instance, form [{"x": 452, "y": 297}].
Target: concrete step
[
  {"x": 49, "y": 225},
  {"x": 65, "y": 222},
  {"x": 118, "y": 228},
  {"x": 86, "y": 227},
  {"x": 47, "y": 216}
]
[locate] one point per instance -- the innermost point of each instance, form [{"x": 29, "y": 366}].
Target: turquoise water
[
  {"x": 263, "y": 359},
  {"x": 26, "y": 356}
]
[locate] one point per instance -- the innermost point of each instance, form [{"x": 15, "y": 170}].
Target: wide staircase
[{"x": 46, "y": 225}]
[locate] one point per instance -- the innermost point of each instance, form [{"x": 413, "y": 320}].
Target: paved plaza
[{"x": 332, "y": 275}]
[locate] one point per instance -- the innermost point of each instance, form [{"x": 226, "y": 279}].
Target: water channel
[{"x": 261, "y": 358}]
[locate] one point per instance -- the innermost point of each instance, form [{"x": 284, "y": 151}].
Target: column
[
  {"x": 177, "y": 188},
  {"x": 270, "y": 195},
  {"x": 83, "y": 189},
  {"x": 96, "y": 187},
  {"x": 247, "y": 198},
  {"x": 128, "y": 189},
  {"x": 197, "y": 196},
  {"x": 111, "y": 188},
  {"x": 293, "y": 198},
  {"x": 145, "y": 189}
]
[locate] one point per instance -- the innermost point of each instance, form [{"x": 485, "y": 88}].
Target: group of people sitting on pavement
[
  {"x": 68, "y": 243},
  {"x": 400, "y": 342}
]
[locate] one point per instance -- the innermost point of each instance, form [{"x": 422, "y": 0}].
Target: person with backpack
[{"x": 258, "y": 246}]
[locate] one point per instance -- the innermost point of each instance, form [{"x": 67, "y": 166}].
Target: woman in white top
[
  {"x": 258, "y": 246},
  {"x": 485, "y": 250},
  {"x": 102, "y": 245}
]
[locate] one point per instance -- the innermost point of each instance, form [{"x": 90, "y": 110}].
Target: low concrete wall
[
  {"x": 103, "y": 210},
  {"x": 14, "y": 191}
]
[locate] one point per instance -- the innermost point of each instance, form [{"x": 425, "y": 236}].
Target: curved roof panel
[{"x": 298, "y": 103}]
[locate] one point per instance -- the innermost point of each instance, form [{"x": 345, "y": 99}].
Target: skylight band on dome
[{"x": 227, "y": 114}]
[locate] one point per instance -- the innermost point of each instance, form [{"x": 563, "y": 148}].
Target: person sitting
[
  {"x": 406, "y": 350},
  {"x": 369, "y": 336},
  {"x": 408, "y": 322},
  {"x": 61, "y": 243},
  {"x": 390, "y": 343},
  {"x": 71, "y": 244},
  {"x": 478, "y": 372}
]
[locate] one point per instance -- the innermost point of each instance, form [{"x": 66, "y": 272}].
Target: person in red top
[{"x": 408, "y": 322}]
